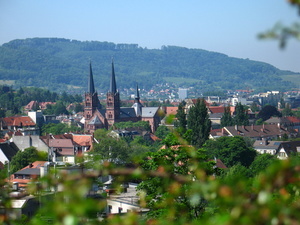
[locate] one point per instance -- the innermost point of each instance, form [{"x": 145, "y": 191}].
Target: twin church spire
[{"x": 113, "y": 84}]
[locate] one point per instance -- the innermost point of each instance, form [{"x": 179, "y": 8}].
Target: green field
[
  {"x": 294, "y": 78},
  {"x": 7, "y": 82}
]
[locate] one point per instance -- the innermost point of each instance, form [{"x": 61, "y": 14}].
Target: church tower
[
  {"x": 112, "y": 100},
  {"x": 91, "y": 101},
  {"x": 137, "y": 105}
]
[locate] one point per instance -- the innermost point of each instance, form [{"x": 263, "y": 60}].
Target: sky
[{"x": 225, "y": 26}]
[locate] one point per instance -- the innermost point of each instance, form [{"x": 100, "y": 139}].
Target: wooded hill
[{"x": 56, "y": 63}]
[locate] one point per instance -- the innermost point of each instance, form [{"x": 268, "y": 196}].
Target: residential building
[{"x": 288, "y": 149}]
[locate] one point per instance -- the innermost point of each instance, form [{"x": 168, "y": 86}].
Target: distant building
[
  {"x": 182, "y": 93},
  {"x": 95, "y": 117}
]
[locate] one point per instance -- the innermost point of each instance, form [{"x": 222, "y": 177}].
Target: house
[
  {"x": 288, "y": 149},
  {"x": 7, "y": 151},
  {"x": 265, "y": 146},
  {"x": 62, "y": 150},
  {"x": 289, "y": 122},
  {"x": 24, "y": 124},
  {"x": 257, "y": 132},
  {"x": 95, "y": 116},
  {"x": 27, "y": 174}
]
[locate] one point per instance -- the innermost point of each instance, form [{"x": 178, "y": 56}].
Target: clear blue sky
[{"x": 225, "y": 26}]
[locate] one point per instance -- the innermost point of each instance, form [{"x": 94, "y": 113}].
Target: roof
[
  {"x": 91, "y": 87},
  {"x": 220, "y": 164},
  {"x": 291, "y": 147},
  {"x": 31, "y": 105},
  {"x": 293, "y": 119},
  {"x": 149, "y": 111},
  {"x": 171, "y": 110},
  {"x": 127, "y": 112},
  {"x": 255, "y": 131},
  {"x": 83, "y": 140},
  {"x": 61, "y": 143},
  {"x": 9, "y": 149},
  {"x": 113, "y": 85},
  {"x": 261, "y": 144},
  {"x": 216, "y": 115},
  {"x": 19, "y": 121},
  {"x": 274, "y": 120},
  {"x": 95, "y": 121},
  {"x": 216, "y": 109},
  {"x": 28, "y": 171},
  {"x": 36, "y": 164}
]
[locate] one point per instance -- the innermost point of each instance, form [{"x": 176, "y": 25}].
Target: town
[{"x": 106, "y": 141}]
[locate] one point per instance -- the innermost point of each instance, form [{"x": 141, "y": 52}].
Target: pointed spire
[
  {"x": 91, "y": 87},
  {"x": 137, "y": 91},
  {"x": 137, "y": 95},
  {"x": 113, "y": 85}
]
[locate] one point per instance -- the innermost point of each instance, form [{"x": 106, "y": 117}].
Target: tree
[
  {"x": 241, "y": 115},
  {"x": 226, "y": 119},
  {"x": 261, "y": 163},
  {"x": 231, "y": 150},
  {"x": 267, "y": 112},
  {"x": 181, "y": 118},
  {"x": 162, "y": 131},
  {"x": 287, "y": 111},
  {"x": 111, "y": 149},
  {"x": 60, "y": 108},
  {"x": 181, "y": 161},
  {"x": 198, "y": 123}
]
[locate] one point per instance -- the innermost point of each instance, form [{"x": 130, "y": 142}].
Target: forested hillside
[{"x": 56, "y": 63}]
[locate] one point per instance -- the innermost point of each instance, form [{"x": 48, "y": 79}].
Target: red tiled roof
[
  {"x": 216, "y": 109},
  {"x": 154, "y": 138},
  {"x": 171, "y": 110},
  {"x": 293, "y": 119},
  {"x": 43, "y": 105},
  {"x": 19, "y": 121},
  {"x": 83, "y": 140},
  {"x": 31, "y": 105}
]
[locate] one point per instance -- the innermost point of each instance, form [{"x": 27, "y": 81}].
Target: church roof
[
  {"x": 149, "y": 111},
  {"x": 113, "y": 85},
  {"x": 91, "y": 87},
  {"x": 127, "y": 112},
  {"x": 95, "y": 121}
]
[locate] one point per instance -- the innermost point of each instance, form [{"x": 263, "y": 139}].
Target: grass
[
  {"x": 294, "y": 78},
  {"x": 7, "y": 82}
]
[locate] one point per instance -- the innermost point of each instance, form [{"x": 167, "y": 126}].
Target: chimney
[
  {"x": 252, "y": 126},
  {"x": 236, "y": 127}
]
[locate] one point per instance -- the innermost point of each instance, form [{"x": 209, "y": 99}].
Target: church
[{"x": 96, "y": 117}]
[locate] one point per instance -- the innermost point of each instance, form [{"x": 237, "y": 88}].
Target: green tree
[
  {"x": 287, "y": 111},
  {"x": 159, "y": 191},
  {"x": 198, "y": 123},
  {"x": 261, "y": 163},
  {"x": 226, "y": 119},
  {"x": 267, "y": 112},
  {"x": 60, "y": 108},
  {"x": 113, "y": 150},
  {"x": 181, "y": 118},
  {"x": 162, "y": 131},
  {"x": 241, "y": 115},
  {"x": 231, "y": 150}
]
